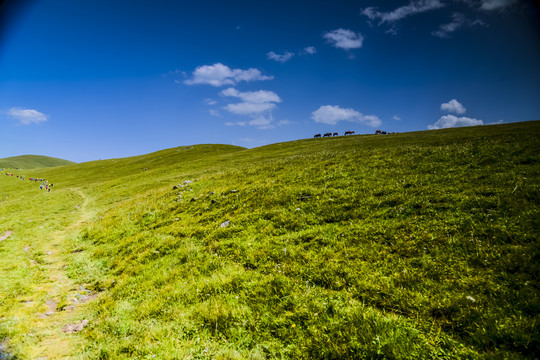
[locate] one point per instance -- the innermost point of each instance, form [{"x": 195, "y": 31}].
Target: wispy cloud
[
  {"x": 344, "y": 39},
  {"x": 413, "y": 8},
  {"x": 458, "y": 21},
  {"x": 496, "y": 4},
  {"x": 282, "y": 58},
  {"x": 253, "y": 97},
  {"x": 27, "y": 116},
  {"x": 395, "y": 117},
  {"x": 310, "y": 50},
  {"x": 256, "y": 104},
  {"x": 219, "y": 75},
  {"x": 453, "y": 106},
  {"x": 287, "y": 55},
  {"x": 332, "y": 114},
  {"x": 450, "y": 121}
]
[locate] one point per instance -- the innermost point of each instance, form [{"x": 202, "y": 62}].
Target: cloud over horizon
[
  {"x": 453, "y": 106},
  {"x": 332, "y": 114},
  {"x": 219, "y": 75},
  {"x": 450, "y": 121},
  {"x": 26, "y": 116}
]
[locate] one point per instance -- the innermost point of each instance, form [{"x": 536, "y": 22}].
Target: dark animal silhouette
[
  {"x": 327, "y": 134},
  {"x": 317, "y": 136},
  {"x": 335, "y": 134},
  {"x": 378, "y": 132},
  {"x": 349, "y": 132}
]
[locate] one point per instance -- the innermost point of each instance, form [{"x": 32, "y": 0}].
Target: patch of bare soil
[{"x": 7, "y": 234}]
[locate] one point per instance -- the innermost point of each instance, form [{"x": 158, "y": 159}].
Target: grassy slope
[
  {"x": 411, "y": 245},
  {"x": 32, "y": 162}
]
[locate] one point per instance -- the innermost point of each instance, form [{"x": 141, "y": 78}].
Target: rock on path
[{"x": 73, "y": 328}]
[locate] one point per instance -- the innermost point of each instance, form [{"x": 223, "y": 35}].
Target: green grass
[
  {"x": 32, "y": 162},
  {"x": 415, "y": 245}
]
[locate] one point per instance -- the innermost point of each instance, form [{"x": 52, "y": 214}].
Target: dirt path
[{"x": 62, "y": 301}]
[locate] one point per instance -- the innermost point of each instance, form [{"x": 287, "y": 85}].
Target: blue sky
[{"x": 93, "y": 79}]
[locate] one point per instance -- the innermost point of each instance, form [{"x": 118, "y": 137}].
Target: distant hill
[{"x": 32, "y": 162}]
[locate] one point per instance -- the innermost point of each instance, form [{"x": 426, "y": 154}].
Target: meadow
[{"x": 418, "y": 245}]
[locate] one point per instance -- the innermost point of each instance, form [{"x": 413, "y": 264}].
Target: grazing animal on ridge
[
  {"x": 349, "y": 132},
  {"x": 378, "y": 132},
  {"x": 317, "y": 136},
  {"x": 327, "y": 134}
]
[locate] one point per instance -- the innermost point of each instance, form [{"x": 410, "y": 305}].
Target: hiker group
[{"x": 44, "y": 183}]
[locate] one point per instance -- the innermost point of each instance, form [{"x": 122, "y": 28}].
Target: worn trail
[{"x": 61, "y": 301}]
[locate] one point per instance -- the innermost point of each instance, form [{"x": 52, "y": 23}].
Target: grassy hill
[
  {"x": 414, "y": 245},
  {"x": 32, "y": 162}
]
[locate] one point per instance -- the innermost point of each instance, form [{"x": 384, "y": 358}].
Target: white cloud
[
  {"x": 310, "y": 50},
  {"x": 262, "y": 122},
  {"x": 220, "y": 75},
  {"x": 458, "y": 21},
  {"x": 453, "y": 106},
  {"x": 284, "y": 122},
  {"x": 413, "y": 8},
  {"x": 256, "y": 104},
  {"x": 256, "y": 97},
  {"x": 395, "y": 117},
  {"x": 214, "y": 112},
  {"x": 236, "y": 123},
  {"x": 282, "y": 58},
  {"x": 246, "y": 108},
  {"x": 344, "y": 39},
  {"x": 331, "y": 115},
  {"x": 209, "y": 101},
  {"x": 450, "y": 121},
  {"x": 27, "y": 116},
  {"x": 496, "y": 4}
]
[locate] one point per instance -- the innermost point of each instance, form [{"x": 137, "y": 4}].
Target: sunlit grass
[{"x": 418, "y": 245}]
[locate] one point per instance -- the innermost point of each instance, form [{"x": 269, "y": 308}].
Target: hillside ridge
[{"x": 32, "y": 162}]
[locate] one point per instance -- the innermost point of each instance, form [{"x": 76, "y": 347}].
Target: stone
[
  {"x": 73, "y": 328},
  {"x": 225, "y": 224}
]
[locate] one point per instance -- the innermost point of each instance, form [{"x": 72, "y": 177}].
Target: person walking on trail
[{"x": 41, "y": 187}]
